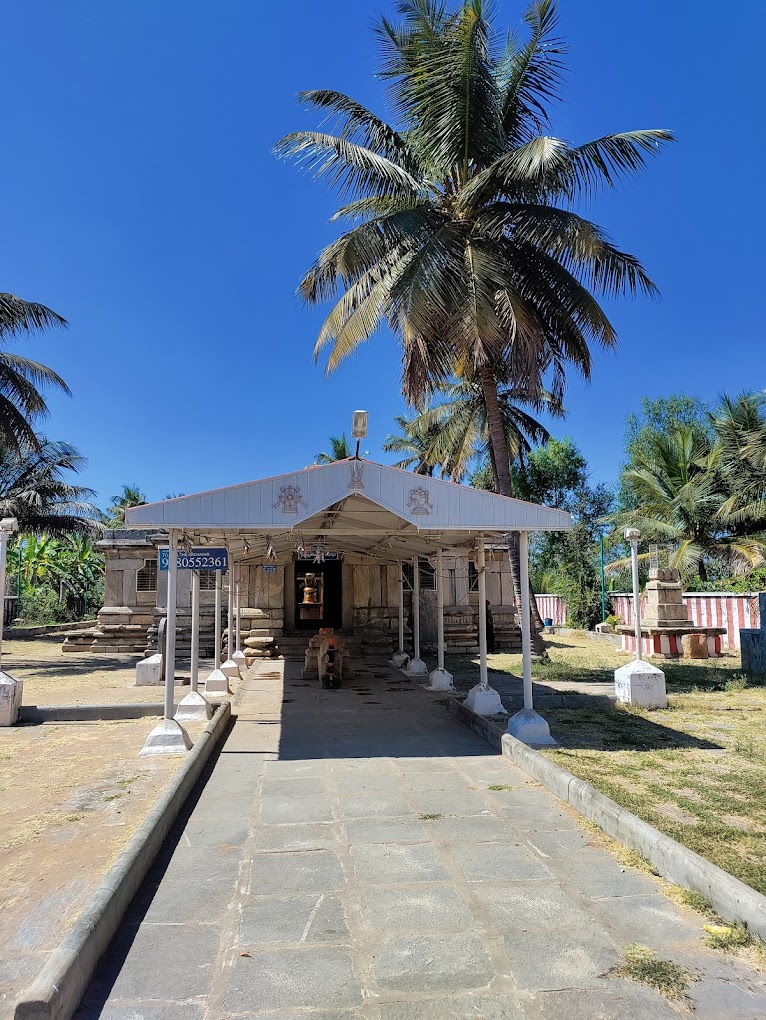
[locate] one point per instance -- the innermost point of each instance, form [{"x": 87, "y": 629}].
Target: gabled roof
[{"x": 354, "y": 496}]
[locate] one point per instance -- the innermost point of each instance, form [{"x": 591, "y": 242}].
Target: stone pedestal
[
  {"x": 441, "y": 680},
  {"x": 193, "y": 707},
  {"x": 167, "y": 737},
  {"x": 641, "y": 683},
  {"x": 231, "y": 669},
  {"x": 399, "y": 660},
  {"x": 11, "y": 691},
  {"x": 694, "y": 646},
  {"x": 531, "y": 728},
  {"x": 416, "y": 667},
  {"x": 484, "y": 700},
  {"x": 217, "y": 683},
  {"x": 239, "y": 658},
  {"x": 149, "y": 671}
]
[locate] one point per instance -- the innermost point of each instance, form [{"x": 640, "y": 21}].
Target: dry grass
[{"x": 670, "y": 979}]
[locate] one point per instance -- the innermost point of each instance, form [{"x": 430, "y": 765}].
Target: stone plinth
[
  {"x": 753, "y": 643},
  {"x": 11, "y": 691},
  {"x": 641, "y": 683},
  {"x": 665, "y": 622}
]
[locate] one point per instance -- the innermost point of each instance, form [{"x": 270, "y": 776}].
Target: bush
[
  {"x": 612, "y": 620},
  {"x": 41, "y": 605}
]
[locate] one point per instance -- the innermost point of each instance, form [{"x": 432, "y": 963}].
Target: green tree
[
  {"x": 129, "y": 496},
  {"x": 21, "y": 402},
  {"x": 465, "y": 241},
  {"x": 416, "y": 442},
  {"x": 35, "y": 488},
  {"x": 338, "y": 451}
]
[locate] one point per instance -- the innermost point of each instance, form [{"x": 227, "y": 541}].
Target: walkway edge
[
  {"x": 731, "y": 898},
  {"x": 55, "y": 994}
]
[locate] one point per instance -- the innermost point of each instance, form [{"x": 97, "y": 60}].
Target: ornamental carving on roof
[
  {"x": 357, "y": 470},
  {"x": 290, "y": 499},
  {"x": 419, "y": 502}
]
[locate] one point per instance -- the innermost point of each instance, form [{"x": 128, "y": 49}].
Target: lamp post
[
  {"x": 603, "y": 584},
  {"x": 632, "y": 535}
]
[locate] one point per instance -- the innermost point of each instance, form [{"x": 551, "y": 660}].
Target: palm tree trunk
[{"x": 501, "y": 466}]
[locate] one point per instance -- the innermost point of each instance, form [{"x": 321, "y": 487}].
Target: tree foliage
[{"x": 339, "y": 450}]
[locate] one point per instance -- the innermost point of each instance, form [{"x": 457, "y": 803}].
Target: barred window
[
  {"x": 146, "y": 577},
  {"x": 427, "y": 575},
  {"x": 473, "y": 576},
  {"x": 207, "y": 580}
]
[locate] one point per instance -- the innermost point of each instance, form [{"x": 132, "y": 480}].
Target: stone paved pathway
[{"x": 347, "y": 859}]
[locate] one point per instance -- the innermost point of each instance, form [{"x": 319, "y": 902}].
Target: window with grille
[
  {"x": 427, "y": 575},
  {"x": 146, "y": 577},
  {"x": 473, "y": 576},
  {"x": 207, "y": 580}
]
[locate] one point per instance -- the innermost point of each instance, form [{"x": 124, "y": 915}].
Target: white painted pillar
[
  {"x": 193, "y": 705},
  {"x": 11, "y": 689},
  {"x": 169, "y": 737},
  {"x": 217, "y": 682},
  {"x": 400, "y": 658},
  {"x": 636, "y": 597},
  {"x": 238, "y": 655},
  {"x": 441, "y": 679},
  {"x": 230, "y": 667},
  {"x": 416, "y": 667},
  {"x": 483, "y": 699},
  {"x": 526, "y": 724}
]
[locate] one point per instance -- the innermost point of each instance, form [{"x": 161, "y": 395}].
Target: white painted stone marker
[
  {"x": 641, "y": 683},
  {"x": 11, "y": 691}
]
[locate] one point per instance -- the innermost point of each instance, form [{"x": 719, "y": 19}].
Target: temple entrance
[{"x": 318, "y": 594}]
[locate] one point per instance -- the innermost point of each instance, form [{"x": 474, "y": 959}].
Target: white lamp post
[
  {"x": 217, "y": 681},
  {"x": 238, "y": 655},
  {"x": 441, "y": 678},
  {"x": 193, "y": 705},
  {"x": 639, "y": 682},
  {"x": 11, "y": 689}
]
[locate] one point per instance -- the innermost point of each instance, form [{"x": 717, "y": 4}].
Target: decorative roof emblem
[
  {"x": 357, "y": 470},
  {"x": 290, "y": 499},
  {"x": 419, "y": 502}
]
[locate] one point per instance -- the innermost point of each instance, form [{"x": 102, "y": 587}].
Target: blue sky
[{"x": 142, "y": 201}]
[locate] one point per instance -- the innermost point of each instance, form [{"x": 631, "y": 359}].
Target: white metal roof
[{"x": 353, "y": 505}]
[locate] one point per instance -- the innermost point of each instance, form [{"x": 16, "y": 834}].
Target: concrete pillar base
[
  {"x": 167, "y": 737},
  {"x": 230, "y": 668},
  {"x": 217, "y": 683},
  {"x": 11, "y": 691},
  {"x": 149, "y": 671},
  {"x": 193, "y": 707},
  {"x": 399, "y": 660},
  {"x": 484, "y": 701},
  {"x": 531, "y": 728},
  {"x": 641, "y": 683},
  {"x": 441, "y": 680},
  {"x": 239, "y": 659},
  {"x": 417, "y": 668}
]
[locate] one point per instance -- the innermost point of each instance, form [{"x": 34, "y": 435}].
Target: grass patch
[
  {"x": 670, "y": 979},
  {"x": 496, "y": 787},
  {"x": 129, "y": 780},
  {"x": 74, "y": 818},
  {"x": 112, "y": 796},
  {"x": 429, "y": 817},
  {"x": 691, "y": 899}
]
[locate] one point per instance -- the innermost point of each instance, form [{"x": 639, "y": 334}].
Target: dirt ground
[{"x": 71, "y": 796}]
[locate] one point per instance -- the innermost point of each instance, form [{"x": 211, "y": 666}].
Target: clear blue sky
[{"x": 142, "y": 201}]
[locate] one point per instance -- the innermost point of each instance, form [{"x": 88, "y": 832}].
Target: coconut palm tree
[
  {"x": 463, "y": 240},
  {"x": 21, "y": 402},
  {"x": 416, "y": 442},
  {"x": 130, "y": 496},
  {"x": 676, "y": 479},
  {"x": 34, "y": 488},
  {"x": 739, "y": 424},
  {"x": 339, "y": 451}
]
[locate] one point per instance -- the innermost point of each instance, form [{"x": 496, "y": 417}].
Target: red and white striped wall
[
  {"x": 706, "y": 609},
  {"x": 552, "y": 607}
]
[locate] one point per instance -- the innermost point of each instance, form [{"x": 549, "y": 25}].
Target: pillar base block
[
  {"x": 217, "y": 683},
  {"x": 484, "y": 700},
  {"x": 641, "y": 683},
  {"x": 441, "y": 680},
  {"x": 417, "y": 668},
  {"x": 167, "y": 737},
  {"x": 193, "y": 707},
  {"x": 230, "y": 668},
  {"x": 531, "y": 728},
  {"x": 239, "y": 658},
  {"x": 399, "y": 660},
  {"x": 11, "y": 691}
]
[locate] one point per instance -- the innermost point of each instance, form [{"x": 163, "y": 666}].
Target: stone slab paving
[{"x": 346, "y": 859}]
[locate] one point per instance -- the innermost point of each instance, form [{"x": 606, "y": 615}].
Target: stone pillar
[
  {"x": 441, "y": 678},
  {"x": 483, "y": 699}
]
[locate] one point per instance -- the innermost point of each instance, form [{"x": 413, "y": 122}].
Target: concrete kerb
[
  {"x": 31, "y": 714},
  {"x": 56, "y": 992},
  {"x": 731, "y": 898}
]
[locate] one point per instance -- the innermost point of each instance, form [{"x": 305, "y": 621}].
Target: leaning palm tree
[
  {"x": 464, "y": 242},
  {"x": 130, "y": 496},
  {"x": 35, "y": 488},
  {"x": 338, "y": 451},
  {"x": 21, "y": 379},
  {"x": 676, "y": 481}
]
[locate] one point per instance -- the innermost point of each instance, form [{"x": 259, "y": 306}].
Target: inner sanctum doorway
[{"x": 318, "y": 594}]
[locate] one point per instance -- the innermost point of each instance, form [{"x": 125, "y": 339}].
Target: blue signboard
[{"x": 197, "y": 559}]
